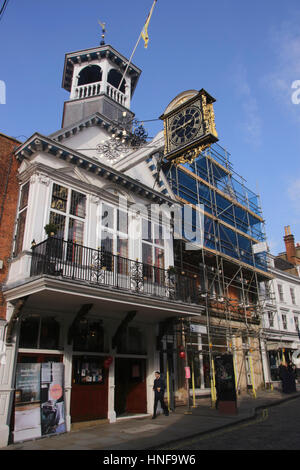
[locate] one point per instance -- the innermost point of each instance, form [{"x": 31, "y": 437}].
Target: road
[{"x": 275, "y": 428}]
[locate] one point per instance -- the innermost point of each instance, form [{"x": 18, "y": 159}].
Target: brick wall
[{"x": 9, "y": 190}]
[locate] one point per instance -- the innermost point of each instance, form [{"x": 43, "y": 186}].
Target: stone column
[{"x": 7, "y": 379}]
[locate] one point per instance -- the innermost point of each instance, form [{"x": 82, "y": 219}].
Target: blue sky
[{"x": 245, "y": 54}]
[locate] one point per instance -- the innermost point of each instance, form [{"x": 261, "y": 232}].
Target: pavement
[{"x": 144, "y": 433}]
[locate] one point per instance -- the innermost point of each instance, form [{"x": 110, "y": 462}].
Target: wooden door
[
  {"x": 130, "y": 386},
  {"x": 89, "y": 400}
]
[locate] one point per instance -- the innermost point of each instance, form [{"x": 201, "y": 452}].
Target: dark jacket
[{"x": 159, "y": 383}]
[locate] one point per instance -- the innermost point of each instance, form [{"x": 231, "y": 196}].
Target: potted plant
[
  {"x": 51, "y": 229},
  {"x": 171, "y": 270}
]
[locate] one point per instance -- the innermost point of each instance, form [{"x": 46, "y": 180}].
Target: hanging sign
[{"x": 187, "y": 372}]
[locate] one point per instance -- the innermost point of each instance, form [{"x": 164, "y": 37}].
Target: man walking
[{"x": 159, "y": 391}]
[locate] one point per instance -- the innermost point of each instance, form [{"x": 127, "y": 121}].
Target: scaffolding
[{"x": 228, "y": 272}]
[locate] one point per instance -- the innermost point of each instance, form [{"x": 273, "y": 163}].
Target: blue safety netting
[{"x": 225, "y": 197}]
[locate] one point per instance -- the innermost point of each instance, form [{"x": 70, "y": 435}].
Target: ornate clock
[
  {"x": 189, "y": 124},
  {"x": 185, "y": 125}
]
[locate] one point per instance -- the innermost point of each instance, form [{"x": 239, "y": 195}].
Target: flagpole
[
  {"x": 137, "y": 43},
  {"x": 127, "y": 66}
]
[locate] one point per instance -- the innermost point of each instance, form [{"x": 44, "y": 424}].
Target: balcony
[
  {"x": 70, "y": 261},
  {"x": 96, "y": 88},
  {"x": 85, "y": 91},
  {"x": 116, "y": 95}
]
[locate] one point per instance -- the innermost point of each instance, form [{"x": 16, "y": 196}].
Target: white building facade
[
  {"x": 281, "y": 320},
  {"x": 89, "y": 277}
]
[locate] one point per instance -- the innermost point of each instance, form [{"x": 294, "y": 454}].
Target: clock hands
[{"x": 185, "y": 124}]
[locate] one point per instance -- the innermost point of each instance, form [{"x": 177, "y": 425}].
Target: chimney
[{"x": 289, "y": 245}]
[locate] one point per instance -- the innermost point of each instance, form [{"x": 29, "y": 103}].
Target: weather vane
[{"x": 103, "y": 32}]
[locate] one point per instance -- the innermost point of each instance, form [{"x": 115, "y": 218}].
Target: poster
[
  {"x": 225, "y": 379},
  {"x": 27, "y": 402},
  {"x": 39, "y": 400},
  {"x": 52, "y": 398}
]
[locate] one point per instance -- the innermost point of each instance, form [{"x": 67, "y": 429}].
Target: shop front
[
  {"x": 101, "y": 381},
  {"x": 279, "y": 353}
]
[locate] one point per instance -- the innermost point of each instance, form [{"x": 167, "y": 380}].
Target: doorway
[
  {"x": 89, "y": 398},
  {"x": 130, "y": 386}
]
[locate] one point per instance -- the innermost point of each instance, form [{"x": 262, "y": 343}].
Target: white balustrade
[
  {"x": 94, "y": 89},
  {"x": 85, "y": 91},
  {"x": 115, "y": 94}
]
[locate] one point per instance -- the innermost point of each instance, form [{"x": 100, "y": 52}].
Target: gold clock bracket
[
  {"x": 190, "y": 155},
  {"x": 190, "y": 150}
]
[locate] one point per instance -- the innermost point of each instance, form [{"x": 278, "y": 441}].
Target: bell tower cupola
[{"x": 99, "y": 80}]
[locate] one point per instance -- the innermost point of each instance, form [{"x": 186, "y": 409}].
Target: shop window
[
  {"x": 88, "y": 370},
  {"x": 29, "y": 332},
  {"x": 39, "y": 332},
  {"x": 136, "y": 341},
  {"x": 49, "y": 333},
  {"x": 274, "y": 360},
  {"x": 89, "y": 336},
  {"x": 34, "y": 358},
  {"x": 132, "y": 342}
]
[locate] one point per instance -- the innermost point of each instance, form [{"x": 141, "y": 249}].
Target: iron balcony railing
[{"x": 68, "y": 260}]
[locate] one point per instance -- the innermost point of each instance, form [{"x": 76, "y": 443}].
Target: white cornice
[
  {"x": 46, "y": 283},
  {"x": 39, "y": 143}
]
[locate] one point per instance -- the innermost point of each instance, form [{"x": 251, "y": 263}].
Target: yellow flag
[{"x": 145, "y": 28}]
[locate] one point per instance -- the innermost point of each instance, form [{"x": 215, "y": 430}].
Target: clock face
[{"x": 185, "y": 125}]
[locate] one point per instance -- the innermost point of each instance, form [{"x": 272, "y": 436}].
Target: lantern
[{"x": 182, "y": 353}]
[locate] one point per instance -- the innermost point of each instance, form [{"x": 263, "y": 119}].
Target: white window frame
[
  {"x": 280, "y": 292},
  {"x": 284, "y": 321},
  {"x": 114, "y": 230},
  {"x": 20, "y": 211},
  {"x": 67, "y": 214},
  {"x": 271, "y": 319},
  {"x": 293, "y": 295},
  {"x": 154, "y": 223}
]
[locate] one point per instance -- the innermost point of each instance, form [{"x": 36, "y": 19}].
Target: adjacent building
[
  {"x": 282, "y": 310},
  {"x": 9, "y": 198}
]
